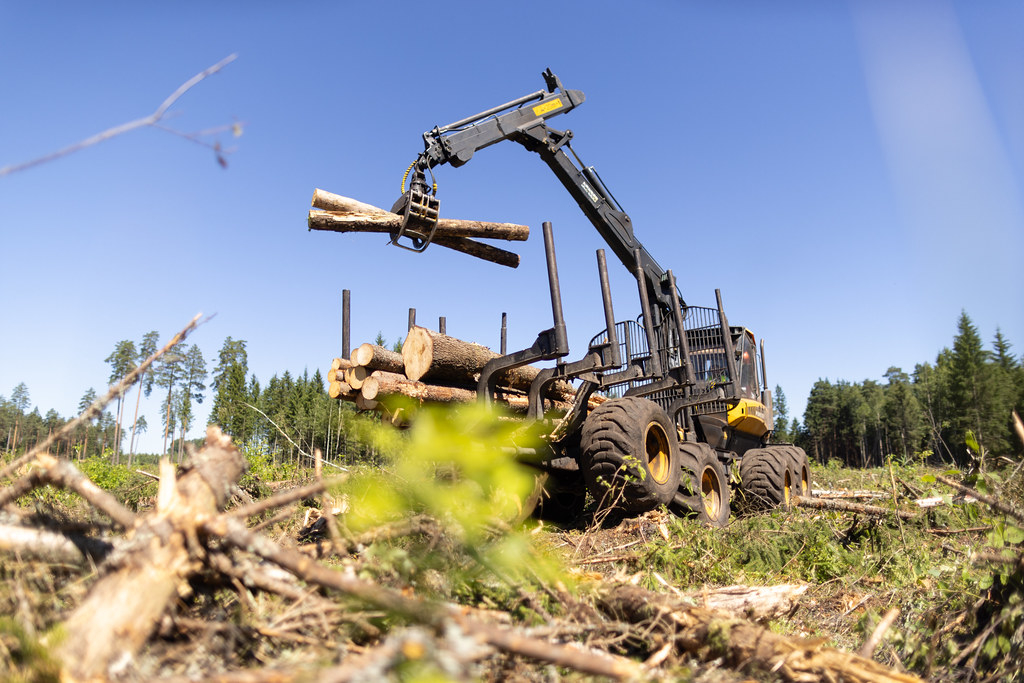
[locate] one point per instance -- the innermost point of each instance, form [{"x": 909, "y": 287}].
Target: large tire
[
  {"x": 766, "y": 476},
  {"x": 800, "y": 471},
  {"x": 630, "y": 455},
  {"x": 704, "y": 486}
]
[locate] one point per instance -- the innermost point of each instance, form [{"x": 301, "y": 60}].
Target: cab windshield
[{"x": 746, "y": 357}]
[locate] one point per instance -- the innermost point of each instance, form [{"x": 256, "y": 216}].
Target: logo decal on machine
[{"x": 544, "y": 108}]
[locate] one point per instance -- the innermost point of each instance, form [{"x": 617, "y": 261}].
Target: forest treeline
[
  {"x": 953, "y": 410},
  {"x": 286, "y": 420}
]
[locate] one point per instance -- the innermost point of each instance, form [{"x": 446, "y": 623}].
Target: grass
[{"x": 960, "y": 618}]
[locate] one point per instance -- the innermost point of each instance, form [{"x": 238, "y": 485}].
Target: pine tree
[
  {"x": 20, "y": 398},
  {"x": 192, "y": 388},
  {"x": 88, "y": 398},
  {"x": 146, "y": 349},
  {"x": 169, "y": 374},
  {"x": 122, "y": 361}
]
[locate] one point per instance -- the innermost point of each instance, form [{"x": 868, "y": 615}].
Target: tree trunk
[
  {"x": 436, "y": 357},
  {"x": 321, "y": 220},
  {"x": 378, "y": 358},
  {"x": 387, "y": 222},
  {"x": 340, "y": 206},
  {"x": 135, "y": 421},
  {"x": 381, "y": 384}
]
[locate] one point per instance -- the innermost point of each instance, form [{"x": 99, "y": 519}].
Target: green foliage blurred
[{"x": 457, "y": 466}]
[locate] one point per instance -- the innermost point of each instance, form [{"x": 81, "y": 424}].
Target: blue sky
[{"x": 849, "y": 174}]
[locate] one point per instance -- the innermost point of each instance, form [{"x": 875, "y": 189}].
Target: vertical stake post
[
  {"x": 346, "y": 322},
  {"x": 504, "y": 333}
]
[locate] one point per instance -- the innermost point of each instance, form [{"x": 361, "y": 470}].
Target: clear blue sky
[{"x": 849, "y": 174}]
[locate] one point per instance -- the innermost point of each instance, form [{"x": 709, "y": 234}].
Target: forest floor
[{"x": 423, "y": 597}]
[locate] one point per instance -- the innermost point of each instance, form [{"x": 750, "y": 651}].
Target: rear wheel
[
  {"x": 800, "y": 471},
  {"x": 766, "y": 476},
  {"x": 630, "y": 455},
  {"x": 704, "y": 490}
]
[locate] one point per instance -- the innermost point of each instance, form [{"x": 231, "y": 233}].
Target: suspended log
[
  {"x": 333, "y": 221},
  {"x": 377, "y": 357},
  {"x": 340, "y": 207},
  {"x": 321, "y": 220},
  {"x": 436, "y": 357}
]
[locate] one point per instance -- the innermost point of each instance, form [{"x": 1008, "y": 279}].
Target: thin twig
[
  {"x": 284, "y": 498},
  {"x": 99, "y": 404},
  {"x": 285, "y": 435},
  {"x": 876, "y": 636},
  {"x": 150, "y": 120}
]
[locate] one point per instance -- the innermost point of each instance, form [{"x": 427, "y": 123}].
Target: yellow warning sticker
[{"x": 550, "y": 105}]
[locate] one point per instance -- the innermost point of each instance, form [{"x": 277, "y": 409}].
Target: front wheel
[{"x": 630, "y": 455}]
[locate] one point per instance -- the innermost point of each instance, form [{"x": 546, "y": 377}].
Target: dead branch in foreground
[{"x": 710, "y": 635}]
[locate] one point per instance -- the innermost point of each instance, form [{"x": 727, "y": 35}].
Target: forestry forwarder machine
[{"x": 685, "y": 393}]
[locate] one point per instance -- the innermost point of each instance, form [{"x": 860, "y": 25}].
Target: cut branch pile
[
  {"x": 336, "y": 213},
  {"x": 433, "y": 368},
  {"x": 189, "y": 537}
]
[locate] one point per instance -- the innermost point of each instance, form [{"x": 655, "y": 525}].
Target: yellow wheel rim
[
  {"x": 709, "y": 492},
  {"x": 656, "y": 447}
]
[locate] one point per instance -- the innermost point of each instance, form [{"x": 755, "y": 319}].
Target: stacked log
[
  {"x": 432, "y": 368},
  {"x": 336, "y": 213}
]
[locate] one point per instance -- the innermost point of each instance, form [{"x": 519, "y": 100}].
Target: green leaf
[
  {"x": 971, "y": 441},
  {"x": 928, "y": 478},
  {"x": 1014, "y": 534}
]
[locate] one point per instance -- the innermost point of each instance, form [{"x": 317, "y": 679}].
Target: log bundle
[
  {"x": 433, "y": 368},
  {"x": 335, "y": 213}
]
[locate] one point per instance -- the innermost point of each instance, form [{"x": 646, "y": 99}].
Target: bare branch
[{"x": 150, "y": 120}]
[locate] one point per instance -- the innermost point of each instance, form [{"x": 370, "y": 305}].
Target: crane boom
[{"x": 524, "y": 120}]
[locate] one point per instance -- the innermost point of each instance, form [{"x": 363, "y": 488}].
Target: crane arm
[{"x": 524, "y": 121}]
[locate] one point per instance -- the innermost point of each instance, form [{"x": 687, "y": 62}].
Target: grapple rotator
[{"x": 419, "y": 208}]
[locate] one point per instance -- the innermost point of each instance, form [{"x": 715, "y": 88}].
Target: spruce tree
[{"x": 229, "y": 386}]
